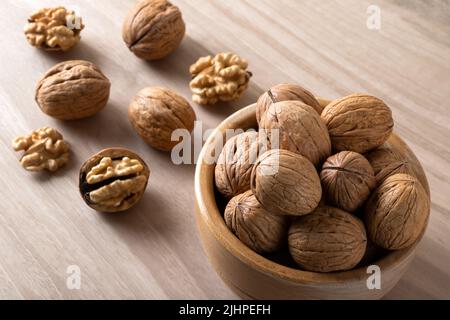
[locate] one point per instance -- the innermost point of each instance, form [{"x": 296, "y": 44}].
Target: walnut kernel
[
  {"x": 44, "y": 149},
  {"x": 222, "y": 78},
  {"x": 54, "y": 29}
]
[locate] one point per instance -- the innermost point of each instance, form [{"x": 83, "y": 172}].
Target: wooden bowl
[{"x": 253, "y": 276}]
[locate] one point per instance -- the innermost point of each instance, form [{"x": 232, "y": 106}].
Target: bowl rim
[{"x": 211, "y": 216}]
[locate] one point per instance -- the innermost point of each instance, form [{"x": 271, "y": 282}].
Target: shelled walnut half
[
  {"x": 44, "y": 149},
  {"x": 113, "y": 180},
  {"x": 220, "y": 78},
  {"x": 54, "y": 29}
]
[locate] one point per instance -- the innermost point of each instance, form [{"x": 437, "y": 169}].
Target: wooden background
[{"x": 153, "y": 250}]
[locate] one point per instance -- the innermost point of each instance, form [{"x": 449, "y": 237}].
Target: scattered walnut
[
  {"x": 347, "y": 180},
  {"x": 54, "y": 29},
  {"x": 300, "y": 130},
  {"x": 44, "y": 149},
  {"x": 113, "y": 180},
  {"x": 73, "y": 90},
  {"x": 285, "y": 92},
  {"x": 285, "y": 182},
  {"x": 222, "y": 78},
  {"x": 358, "y": 123},
  {"x": 327, "y": 240},
  {"x": 253, "y": 225},
  {"x": 396, "y": 213},
  {"x": 155, "y": 112},
  {"x": 153, "y": 29}
]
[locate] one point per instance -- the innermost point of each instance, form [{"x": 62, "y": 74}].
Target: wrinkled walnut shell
[
  {"x": 347, "y": 180},
  {"x": 396, "y": 213},
  {"x": 358, "y": 123},
  {"x": 153, "y": 29},
  {"x": 285, "y": 92},
  {"x": 73, "y": 90},
  {"x": 327, "y": 240},
  {"x": 286, "y": 183},
  {"x": 127, "y": 199},
  {"x": 235, "y": 163},
  {"x": 300, "y": 130},
  {"x": 155, "y": 112},
  {"x": 260, "y": 230}
]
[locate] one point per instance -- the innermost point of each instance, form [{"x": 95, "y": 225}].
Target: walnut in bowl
[{"x": 253, "y": 275}]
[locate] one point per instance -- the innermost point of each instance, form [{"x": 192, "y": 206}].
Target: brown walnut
[
  {"x": 300, "y": 130},
  {"x": 347, "y": 180},
  {"x": 235, "y": 163},
  {"x": 286, "y": 183},
  {"x": 285, "y": 92},
  {"x": 327, "y": 240},
  {"x": 358, "y": 122},
  {"x": 73, "y": 90},
  {"x": 113, "y": 180},
  {"x": 155, "y": 112},
  {"x": 260, "y": 230},
  {"x": 153, "y": 29},
  {"x": 397, "y": 212}
]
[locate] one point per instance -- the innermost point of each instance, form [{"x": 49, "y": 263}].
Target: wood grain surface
[{"x": 153, "y": 250}]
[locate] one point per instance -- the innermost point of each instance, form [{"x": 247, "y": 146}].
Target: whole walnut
[
  {"x": 358, "y": 122},
  {"x": 347, "y": 180},
  {"x": 155, "y": 112},
  {"x": 285, "y": 92},
  {"x": 300, "y": 129},
  {"x": 153, "y": 29},
  {"x": 253, "y": 225},
  {"x": 286, "y": 183},
  {"x": 396, "y": 213},
  {"x": 327, "y": 240},
  {"x": 235, "y": 163},
  {"x": 72, "y": 90}
]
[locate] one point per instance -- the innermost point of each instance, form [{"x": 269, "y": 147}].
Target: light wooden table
[{"x": 153, "y": 250}]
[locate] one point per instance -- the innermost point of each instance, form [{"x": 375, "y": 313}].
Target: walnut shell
[
  {"x": 235, "y": 163},
  {"x": 358, "y": 122},
  {"x": 285, "y": 92},
  {"x": 327, "y": 240},
  {"x": 113, "y": 180},
  {"x": 153, "y": 29},
  {"x": 300, "y": 130},
  {"x": 155, "y": 112},
  {"x": 73, "y": 90},
  {"x": 396, "y": 213},
  {"x": 347, "y": 180},
  {"x": 286, "y": 183},
  {"x": 260, "y": 230}
]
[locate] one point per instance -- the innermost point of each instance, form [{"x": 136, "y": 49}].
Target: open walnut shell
[
  {"x": 113, "y": 180},
  {"x": 326, "y": 240}
]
